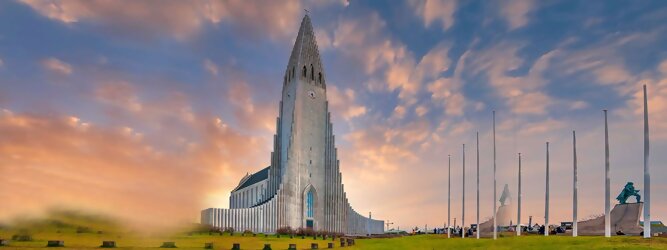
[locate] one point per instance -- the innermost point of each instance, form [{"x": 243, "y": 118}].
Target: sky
[{"x": 153, "y": 111}]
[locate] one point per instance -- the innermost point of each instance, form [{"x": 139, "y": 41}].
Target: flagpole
[
  {"x": 546, "y": 198},
  {"x": 574, "y": 186},
  {"x": 647, "y": 174},
  {"x": 477, "y": 135},
  {"x": 518, "y": 217},
  {"x": 495, "y": 226},
  {"x": 463, "y": 196},
  {"x": 449, "y": 194},
  {"x": 607, "y": 214}
]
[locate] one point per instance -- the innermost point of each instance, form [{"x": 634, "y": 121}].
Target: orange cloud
[
  {"x": 65, "y": 161},
  {"x": 343, "y": 103},
  {"x": 516, "y": 12},
  {"x": 435, "y": 10},
  {"x": 179, "y": 19},
  {"x": 57, "y": 66}
]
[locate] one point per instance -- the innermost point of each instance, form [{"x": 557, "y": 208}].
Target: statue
[
  {"x": 628, "y": 190},
  {"x": 505, "y": 195}
]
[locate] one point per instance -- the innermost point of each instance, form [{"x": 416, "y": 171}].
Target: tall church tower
[
  {"x": 303, "y": 132},
  {"x": 302, "y": 188}
]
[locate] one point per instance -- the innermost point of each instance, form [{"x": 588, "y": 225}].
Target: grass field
[
  {"x": 81, "y": 232},
  {"x": 184, "y": 241}
]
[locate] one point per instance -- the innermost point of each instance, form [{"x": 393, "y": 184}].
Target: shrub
[
  {"x": 247, "y": 232},
  {"x": 305, "y": 232},
  {"x": 82, "y": 230},
  {"x": 285, "y": 230},
  {"x": 229, "y": 230},
  {"x": 22, "y": 236}
]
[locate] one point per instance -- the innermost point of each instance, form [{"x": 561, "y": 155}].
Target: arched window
[
  {"x": 304, "y": 71},
  {"x": 309, "y": 204},
  {"x": 292, "y": 73},
  {"x": 320, "y": 77},
  {"x": 312, "y": 73}
]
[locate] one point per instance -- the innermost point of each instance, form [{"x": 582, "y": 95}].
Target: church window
[
  {"x": 309, "y": 204},
  {"x": 293, "y": 71},
  {"x": 304, "y": 71},
  {"x": 320, "y": 77},
  {"x": 312, "y": 73}
]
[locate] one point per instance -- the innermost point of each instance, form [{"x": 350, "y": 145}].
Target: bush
[
  {"x": 247, "y": 232},
  {"x": 229, "y": 230},
  {"x": 22, "y": 236},
  {"x": 305, "y": 232},
  {"x": 285, "y": 230},
  {"x": 82, "y": 230}
]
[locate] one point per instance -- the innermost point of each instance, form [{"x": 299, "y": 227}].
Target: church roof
[
  {"x": 305, "y": 52},
  {"x": 254, "y": 178}
]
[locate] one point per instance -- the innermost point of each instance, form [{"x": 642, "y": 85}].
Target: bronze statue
[
  {"x": 505, "y": 195},
  {"x": 628, "y": 190}
]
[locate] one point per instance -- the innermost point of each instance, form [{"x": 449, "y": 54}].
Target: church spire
[{"x": 305, "y": 62}]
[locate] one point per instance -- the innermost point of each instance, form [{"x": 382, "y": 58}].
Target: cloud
[
  {"x": 177, "y": 19},
  {"x": 343, "y": 103},
  {"x": 249, "y": 112},
  {"x": 57, "y": 66},
  {"x": 435, "y": 10},
  {"x": 612, "y": 74},
  {"x": 515, "y": 12},
  {"x": 323, "y": 39},
  {"x": 64, "y": 161},
  {"x": 211, "y": 67},
  {"x": 524, "y": 94}
]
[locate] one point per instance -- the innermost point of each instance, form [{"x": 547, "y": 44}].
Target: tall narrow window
[
  {"x": 320, "y": 77},
  {"x": 309, "y": 204},
  {"x": 312, "y": 73},
  {"x": 304, "y": 71}
]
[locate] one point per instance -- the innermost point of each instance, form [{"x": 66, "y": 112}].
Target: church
[{"x": 302, "y": 187}]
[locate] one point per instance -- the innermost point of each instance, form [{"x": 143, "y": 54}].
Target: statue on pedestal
[{"x": 628, "y": 190}]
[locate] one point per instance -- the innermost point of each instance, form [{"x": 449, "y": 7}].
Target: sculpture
[
  {"x": 505, "y": 195},
  {"x": 628, "y": 190}
]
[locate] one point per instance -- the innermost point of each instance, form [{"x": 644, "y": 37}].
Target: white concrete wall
[
  {"x": 249, "y": 196},
  {"x": 256, "y": 219}
]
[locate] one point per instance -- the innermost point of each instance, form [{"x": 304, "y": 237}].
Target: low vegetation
[{"x": 80, "y": 231}]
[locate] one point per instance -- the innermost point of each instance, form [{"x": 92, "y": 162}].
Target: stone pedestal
[
  {"x": 503, "y": 218},
  {"x": 55, "y": 243},
  {"x": 236, "y": 246},
  {"x": 108, "y": 244},
  {"x": 624, "y": 218}
]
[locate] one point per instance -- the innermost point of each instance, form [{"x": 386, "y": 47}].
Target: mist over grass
[{"x": 72, "y": 221}]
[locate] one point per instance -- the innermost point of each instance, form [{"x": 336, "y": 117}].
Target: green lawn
[
  {"x": 86, "y": 232},
  {"x": 196, "y": 241},
  {"x": 523, "y": 242}
]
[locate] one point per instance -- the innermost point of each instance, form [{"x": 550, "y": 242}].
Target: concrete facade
[{"x": 303, "y": 187}]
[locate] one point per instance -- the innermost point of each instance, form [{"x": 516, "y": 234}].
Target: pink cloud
[
  {"x": 57, "y": 66},
  {"x": 175, "y": 18},
  {"x": 515, "y": 12},
  {"x": 435, "y": 10}
]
